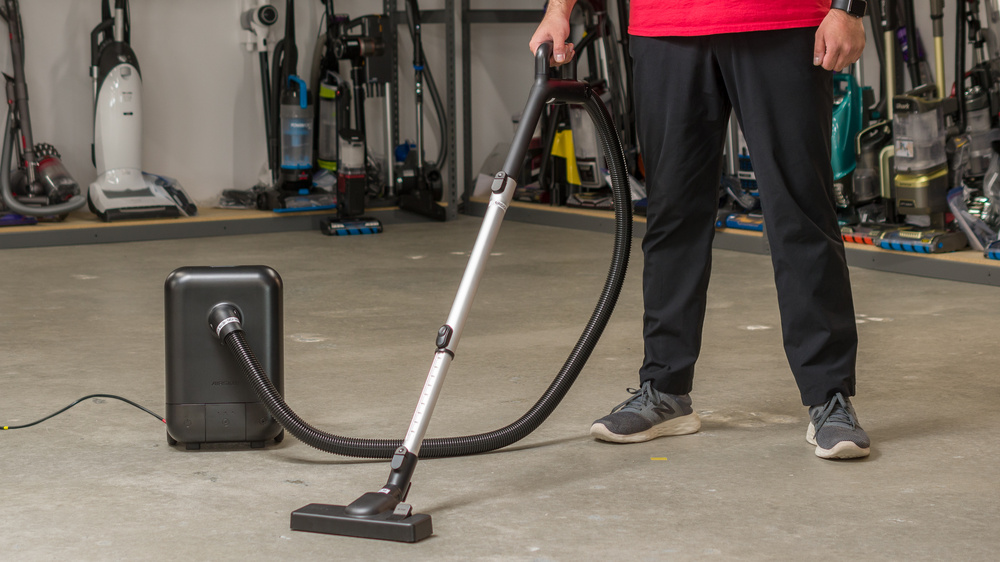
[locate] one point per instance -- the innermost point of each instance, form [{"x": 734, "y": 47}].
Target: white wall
[{"x": 202, "y": 112}]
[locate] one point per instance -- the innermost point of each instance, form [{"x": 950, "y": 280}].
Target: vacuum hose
[{"x": 232, "y": 334}]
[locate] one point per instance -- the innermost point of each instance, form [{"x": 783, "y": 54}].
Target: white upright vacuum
[{"x": 122, "y": 190}]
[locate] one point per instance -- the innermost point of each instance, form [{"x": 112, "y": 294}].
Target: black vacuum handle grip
[
  {"x": 537, "y": 98},
  {"x": 542, "y": 54},
  {"x": 543, "y": 91}
]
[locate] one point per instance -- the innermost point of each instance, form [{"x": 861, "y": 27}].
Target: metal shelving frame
[{"x": 469, "y": 17}]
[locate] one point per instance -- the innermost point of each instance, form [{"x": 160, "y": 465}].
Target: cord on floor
[{"x": 112, "y": 396}]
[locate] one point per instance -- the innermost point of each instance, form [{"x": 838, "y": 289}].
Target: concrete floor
[{"x": 99, "y": 482}]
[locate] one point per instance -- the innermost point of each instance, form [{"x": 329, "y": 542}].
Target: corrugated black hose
[{"x": 484, "y": 442}]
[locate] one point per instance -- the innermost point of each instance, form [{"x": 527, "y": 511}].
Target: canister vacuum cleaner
[
  {"x": 207, "y": 390},
  {"x": 39, "y": 186}
]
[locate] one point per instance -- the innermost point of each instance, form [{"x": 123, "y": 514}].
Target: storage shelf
[
  {"x": 967, "y": 266},
  {"x": 84, "y": 228}
]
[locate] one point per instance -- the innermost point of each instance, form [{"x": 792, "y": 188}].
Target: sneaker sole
[
  {"x": 842, "y": 450},
  {"x": 684, "y": 425}
]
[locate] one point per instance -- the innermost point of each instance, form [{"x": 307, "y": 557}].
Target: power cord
[{"x": 112, "y": 396}]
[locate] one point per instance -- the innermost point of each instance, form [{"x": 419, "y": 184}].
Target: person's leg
[
  {"x": 785, "y": 104},
  {"x": 682, "y": 115}
]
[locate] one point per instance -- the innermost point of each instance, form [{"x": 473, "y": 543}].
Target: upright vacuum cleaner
[
  {"x": 290, "y": 145},
  {"x": 975, "y": 202},
  {"x": 342, "y": 148},
  {"x": 229, "y": 298},
  {"x": 39, "y": 186},
  {"x": 122, "y": 190}
]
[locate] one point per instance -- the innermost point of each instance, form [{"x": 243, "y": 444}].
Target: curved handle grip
[{"x": 542, "y": 54}]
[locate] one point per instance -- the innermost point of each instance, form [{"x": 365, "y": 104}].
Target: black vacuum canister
[{"x": 208, "y": 398}]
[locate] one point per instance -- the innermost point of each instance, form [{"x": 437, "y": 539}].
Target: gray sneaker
[
  {"x": 835, "y": 431},
  {"x": 646, "y": 415}
]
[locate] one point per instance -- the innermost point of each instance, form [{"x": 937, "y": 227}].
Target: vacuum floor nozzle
[
  {"x": 398, "y": 525},
  {"x": 350, "y": 227}
]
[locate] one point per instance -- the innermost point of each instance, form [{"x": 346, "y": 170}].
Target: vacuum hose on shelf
[{"x": 543, "y": 90}]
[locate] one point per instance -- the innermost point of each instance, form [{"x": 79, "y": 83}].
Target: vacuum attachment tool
[
  {"x": 397, "y": 524},
  {"x": 375, "y": 515}
]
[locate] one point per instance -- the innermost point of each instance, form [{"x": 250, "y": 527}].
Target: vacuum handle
[
  {"x": 413, "y": 15},
  {"x": 542, "y": 91},
  {"x": 537, "y": 98},
  {"x": 542, "y": 54}
]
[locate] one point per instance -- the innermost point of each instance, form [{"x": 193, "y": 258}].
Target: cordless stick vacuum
[
  {"x": 220, "y": 294},
  {"x": 122, "y": 190},
  {"x": 257, "y": 22},
  {"x": 40, "y": 186}
]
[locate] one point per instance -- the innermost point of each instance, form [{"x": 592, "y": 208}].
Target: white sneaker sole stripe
[
  {"x": 683, "y": 425},
  {"x": 842, "y": 450}
]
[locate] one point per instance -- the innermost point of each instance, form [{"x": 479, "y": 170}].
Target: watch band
[{"x": 856, "y": 8}]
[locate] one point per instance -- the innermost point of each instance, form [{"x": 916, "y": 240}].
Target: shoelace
[
  {"x": 836, "y": 411},
  {"x": 637, "y": 394}
]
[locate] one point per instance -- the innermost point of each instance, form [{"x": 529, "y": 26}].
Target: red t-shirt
[{"x": 660, "y": 18}]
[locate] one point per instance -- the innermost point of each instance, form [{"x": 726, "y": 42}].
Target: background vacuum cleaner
[
  {"x": 227, "y": 299},
  {"x": 39, "y": 186},
  {"x": 289, "y": 114},
  {"x": 341, "y": 146},
  {"x": 420, "y": 182},
  {"x": 122, "y": 190}
]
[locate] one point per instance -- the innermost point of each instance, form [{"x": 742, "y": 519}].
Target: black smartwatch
[{"x": 856, "y": 8}]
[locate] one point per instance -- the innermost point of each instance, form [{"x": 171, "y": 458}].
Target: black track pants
[{"x": 685, "y": 88}]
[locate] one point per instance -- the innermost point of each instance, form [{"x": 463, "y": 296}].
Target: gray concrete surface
[{"x": 99, "y": 482}]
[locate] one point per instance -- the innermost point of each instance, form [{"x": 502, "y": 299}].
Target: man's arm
[
  {"x": 840, "y": 40},
  {"x": 555, "y": 28}
]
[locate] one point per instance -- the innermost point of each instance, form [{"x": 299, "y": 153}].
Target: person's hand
[
  {"x": 554, "y": 28},
  {"x": 840, "y": 40}
]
